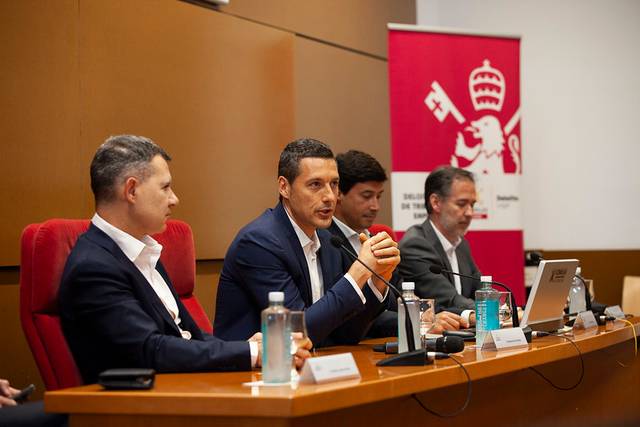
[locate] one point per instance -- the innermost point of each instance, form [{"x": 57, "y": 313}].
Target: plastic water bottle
[
  {"x": 487, "y": 308},
  {"x": 276, "y": 341},
  {"x": 577, "y": 301},
  {"x": 413, "y": 306}
]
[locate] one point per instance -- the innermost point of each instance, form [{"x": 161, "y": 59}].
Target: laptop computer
[{"x": 545, "y": 306}]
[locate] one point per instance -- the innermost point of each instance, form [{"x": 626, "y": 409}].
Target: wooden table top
[{"x": 224, "y": 394}]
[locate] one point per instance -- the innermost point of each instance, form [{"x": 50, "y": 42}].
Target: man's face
[
  {"x": 452, "y": 215},
  {"x": 154, "y": 198},
  {"x": 359, "y": 207},
  {"x": 311, "y": 198}
]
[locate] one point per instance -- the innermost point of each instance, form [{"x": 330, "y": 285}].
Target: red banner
[{"x": 455, "y": 100}]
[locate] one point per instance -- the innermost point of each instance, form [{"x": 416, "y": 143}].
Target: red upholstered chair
[
  {"x": 179, "y": 259},
  {"x": 44, "y": 251},
  {"x": 376, "y": 228}
]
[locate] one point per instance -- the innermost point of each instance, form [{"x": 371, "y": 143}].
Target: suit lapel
[
  {"x": 141, "y": 284},
  {"x": 294, "y": 243},
  {"x": 431, "y": 236}
]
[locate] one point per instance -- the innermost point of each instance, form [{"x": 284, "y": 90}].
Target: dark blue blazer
[
  {"x": 112, "y": 318},
  {"x": 266, "y": 256}
]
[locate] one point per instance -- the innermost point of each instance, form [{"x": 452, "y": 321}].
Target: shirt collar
[
  {"x": 131, "y": 246},
  {"x": 446, "y": 244},
  {"x": 302, "y": 237},
  {"x": 346, "y": 230}
]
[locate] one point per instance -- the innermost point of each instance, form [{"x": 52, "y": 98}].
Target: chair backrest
[
  {"x": 376, "y": 228},
  {"x": 631, "y": 295},
  {"x": 44, "y": 251},
  {"x": 179, "y": 259}
]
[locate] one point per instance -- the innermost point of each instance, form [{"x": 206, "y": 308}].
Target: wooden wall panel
[
  {"x": 342, "y": 99},
  {"x": 41, "y": 173},
  {"x": 215, "y": 91},
  {"x": 356, "y": 24}
]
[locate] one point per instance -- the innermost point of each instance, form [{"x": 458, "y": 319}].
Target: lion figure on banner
[{"x": 486, "y": 156}]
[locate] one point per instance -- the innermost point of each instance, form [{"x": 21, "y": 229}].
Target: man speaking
[{"x": 286, "y": 249}]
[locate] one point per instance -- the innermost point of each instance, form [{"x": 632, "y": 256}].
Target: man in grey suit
[{"x": 450, "y": 195}]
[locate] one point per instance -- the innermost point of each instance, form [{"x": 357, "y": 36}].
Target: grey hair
[
  {"x": 439, "y": 182},
  {"x": 119, "y": 157}
]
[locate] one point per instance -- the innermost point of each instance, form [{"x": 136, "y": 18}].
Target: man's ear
[
  {"x": 130, "y": 189},
  {"x": 284, "y": 188},
  {"x": 434, "y": 201}
]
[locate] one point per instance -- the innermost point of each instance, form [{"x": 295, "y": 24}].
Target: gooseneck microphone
[
  {"x": 436, "y": 269},
  {"x": 412, "y": 357}
]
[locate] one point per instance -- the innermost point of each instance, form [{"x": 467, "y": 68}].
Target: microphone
[
  {"x": 448, "y": 344},
  {"x": 412, "y": 357},
  {"x": 436, "y": 269}
]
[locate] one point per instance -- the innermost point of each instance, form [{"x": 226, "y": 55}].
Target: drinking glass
[
  {"x": 427, "y": 317},
  {"x": 298, "y": 337},
  {"x": 505, "y": 311}
]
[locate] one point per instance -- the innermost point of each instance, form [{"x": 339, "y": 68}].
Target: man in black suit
[
  {"x": 286, "y": 249},
  {"x": 450, "y": 195},
  {"x": 361, "y": 187},
  {"x": 117, "y": 306}
]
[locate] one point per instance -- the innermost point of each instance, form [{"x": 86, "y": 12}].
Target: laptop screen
[{"x": 545, "y": 306}]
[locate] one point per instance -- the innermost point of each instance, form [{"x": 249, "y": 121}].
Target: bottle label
[{"x": 487, "y": 315}]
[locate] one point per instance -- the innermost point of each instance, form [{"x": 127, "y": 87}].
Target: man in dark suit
[
  {"x": 361, "y": 187},
  {"x": 287, "y": 249},
  {"x": 117, "y": 306},
  {"x": 450, "y": 195}
]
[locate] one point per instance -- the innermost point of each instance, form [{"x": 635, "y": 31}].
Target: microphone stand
[{"x": 412, "y": 357}]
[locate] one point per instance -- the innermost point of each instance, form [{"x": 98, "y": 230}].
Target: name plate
[
  {"x": 585, "y": 320},
  {"x": 502, "y": 339},
  {"x": 324, "y": 369},
  {"x": 614, "y": 311}
]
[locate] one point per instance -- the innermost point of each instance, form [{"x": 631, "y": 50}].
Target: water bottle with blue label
[{"x": 487, "y": 310}]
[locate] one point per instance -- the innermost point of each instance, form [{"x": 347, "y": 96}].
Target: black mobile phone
[
  {"x": 24, "y": 394},
  {"x": 127, "y": 379}
]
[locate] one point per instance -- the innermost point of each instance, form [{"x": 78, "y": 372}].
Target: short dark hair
[
  {"x": 118, "y": 157},
  {"x": 289, "y": 163},
  {"x": 356, "y": 166},
  {"x": 439, "y": 182}
]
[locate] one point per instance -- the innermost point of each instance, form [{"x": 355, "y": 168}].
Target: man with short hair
[
  {"x": 117, "y": 306},
  {"x": 287, "y": 249},
  {"x": 450, "y": 195},
  {"x": 361, "y": 186}
]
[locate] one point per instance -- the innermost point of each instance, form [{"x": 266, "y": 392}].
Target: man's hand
[
  {"x": 447, "y": 321},
  {"x": 381, "y": 253},
  {"x": 6, "y": 391},
  {"x": 303, "y": 352},
  {"x": 301, "y": 355}
]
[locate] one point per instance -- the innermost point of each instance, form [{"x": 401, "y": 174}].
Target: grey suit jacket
[{"x": 419, "y": 249}]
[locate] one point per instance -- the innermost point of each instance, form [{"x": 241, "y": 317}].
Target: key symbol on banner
[{"x": 440, "y": 105}]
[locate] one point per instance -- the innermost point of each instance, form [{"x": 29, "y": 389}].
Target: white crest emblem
[{"x": 487, "y": 89}]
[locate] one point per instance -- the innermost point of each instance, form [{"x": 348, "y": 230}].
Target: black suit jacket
[
  {"x": 266, "y": 256},
  {"x": 112, "y": 318},
  {"x": 419, "y": 249}
]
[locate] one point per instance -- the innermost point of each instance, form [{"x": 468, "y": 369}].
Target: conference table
[{"x": 506, "y": 391}]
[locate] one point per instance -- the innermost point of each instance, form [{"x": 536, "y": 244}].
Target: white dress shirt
[
  {"x": 450, "y": 251},
  {"x": 144, "y": 254},
  {"x": 310, "y": 248}
]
